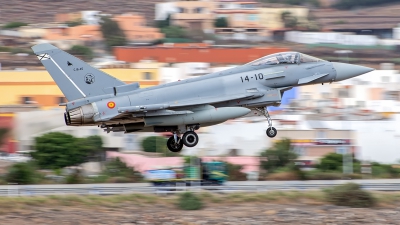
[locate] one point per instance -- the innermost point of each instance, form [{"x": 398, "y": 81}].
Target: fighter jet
[{"x": 182, "y": 107}]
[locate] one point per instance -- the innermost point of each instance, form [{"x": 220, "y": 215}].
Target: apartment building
[
  {"x": 271, "y": 15},
  {"x": 65, "y": 37},
  {"x": 8, "y": 144},
  {"x": 189, "y": 14},
  {"x": 376, "y": 91},
  {"x": 136, "y": 30},
  {"x": 38, "y": 88},
  {"x": 244, "y": 22}
]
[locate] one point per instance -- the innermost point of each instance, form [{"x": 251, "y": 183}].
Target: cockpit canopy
[{"x": 284, "y": 57}]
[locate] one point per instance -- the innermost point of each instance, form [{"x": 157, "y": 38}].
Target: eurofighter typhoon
[{"x": 182, "y": 107}]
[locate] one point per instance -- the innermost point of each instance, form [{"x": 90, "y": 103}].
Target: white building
[
  {"x": 182, "y": 71},
  {"x": 91, "y": 16},
  {"x": 36, "y": 123},
  {"x": 375, "y": 91},
  {"x": 164, "y": 9}
]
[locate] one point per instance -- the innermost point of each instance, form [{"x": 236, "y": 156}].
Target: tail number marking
[{"x": 259, "y": 76}]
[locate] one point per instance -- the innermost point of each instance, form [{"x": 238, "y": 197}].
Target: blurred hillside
[{"x": 41, "y": 11}]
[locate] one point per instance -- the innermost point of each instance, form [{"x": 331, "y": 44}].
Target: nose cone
[{"x": 345, "y": 71}]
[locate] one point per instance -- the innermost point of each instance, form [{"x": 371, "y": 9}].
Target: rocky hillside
[{"x": 42, "y": 11}]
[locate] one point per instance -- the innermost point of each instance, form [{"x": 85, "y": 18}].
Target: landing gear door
[{"x": 273, "y": 95}]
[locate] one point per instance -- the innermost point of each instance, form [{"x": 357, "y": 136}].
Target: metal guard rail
[{"x": 143, "y": 188}]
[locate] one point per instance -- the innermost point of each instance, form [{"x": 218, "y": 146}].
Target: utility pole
[
  {"x": 347, "y": 153},
  {"x": 347, "y": 161}
]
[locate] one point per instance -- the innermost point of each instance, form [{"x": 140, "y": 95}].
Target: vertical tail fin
[{"x": 74, "y": 77}]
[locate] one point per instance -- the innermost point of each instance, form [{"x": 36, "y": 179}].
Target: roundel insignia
[{"x": 111, "y": 105}]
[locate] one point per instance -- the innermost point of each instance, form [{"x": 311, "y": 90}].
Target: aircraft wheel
[
  {"x": 174, "y": 147},
  {"x": 271, "y": 132},
  {"x": 190, "y": 139}
]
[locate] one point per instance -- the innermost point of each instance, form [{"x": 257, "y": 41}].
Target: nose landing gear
[{"x": 271, "y": 131}]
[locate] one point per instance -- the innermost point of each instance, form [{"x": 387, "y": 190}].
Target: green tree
[
  {"x": 189, "y": 201},
  {"x": 235, "y": 173},
  {"x": 117, "y": 168},
  {"x": 12, "y": 25},
  {"x": 351, "y": 195},
  {"x": 349, "y": 4},
  {"x": 384, "y": 170},
  {"x": 331, "y": 162},
  {"x": 191, "y": 159},
  {"x": 93, "y": 146},
  {"x": 112, "y": 33},
  {"x": 198, "y": 35},
  {"x": 154, "y": 144},
  {"x": 23, "y": 173},
  {"x": 164, "y": 23},
  {"x": 289, "y": 20},
  {"x": 174, "y": 32},
  {"x": 3, "y": 134},
  {"x": 315, "y": 3},
  {"x": 57, "y": 150},
  {"x": 221, "y": 22},
  {"x": 86, "y": 52},
  {"x": 157, "y": 144},
  {"x": 75, "y": 178},
  {"x": 334, "y": 162},
  {"x": 279, "y": 155},
  {"x": 74, "y": 23}
]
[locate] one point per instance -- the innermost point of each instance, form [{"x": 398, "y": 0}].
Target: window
[
  {"x": 26, "y": 100},
  {"x": 391, "y": 95},
  {"x": 198, "y": 10},
  {"x": 147, "y": 75},
  {"x": 252, "y": 17},
  {"x": 181, "y": 10},
  {"x": 285, "y": 57},
  {"x": 272, "y": 60},
  {"x": 239, "y": 17},
  {"x": 343, "y": 93},
  {"x": 308, "y": 59},
  {"x": 252, "y": 30},
  {"x": 61, "y": 100},
  {"x": 341, "y": 150},
  {"x": 360, "y": 103},
  {"x": 360, "y": 82},
  {"x": 325, "y": 95},
  {"x": 129, "y": 142},
  {"x": 321, "y": 134},
  {"x": 248, "y": 6},
  {"x": 300, "y": 151}
]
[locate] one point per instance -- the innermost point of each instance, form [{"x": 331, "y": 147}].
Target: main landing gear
[
  {"x": 189, "y": 139},
  {"x": 271, "y": 131}
]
